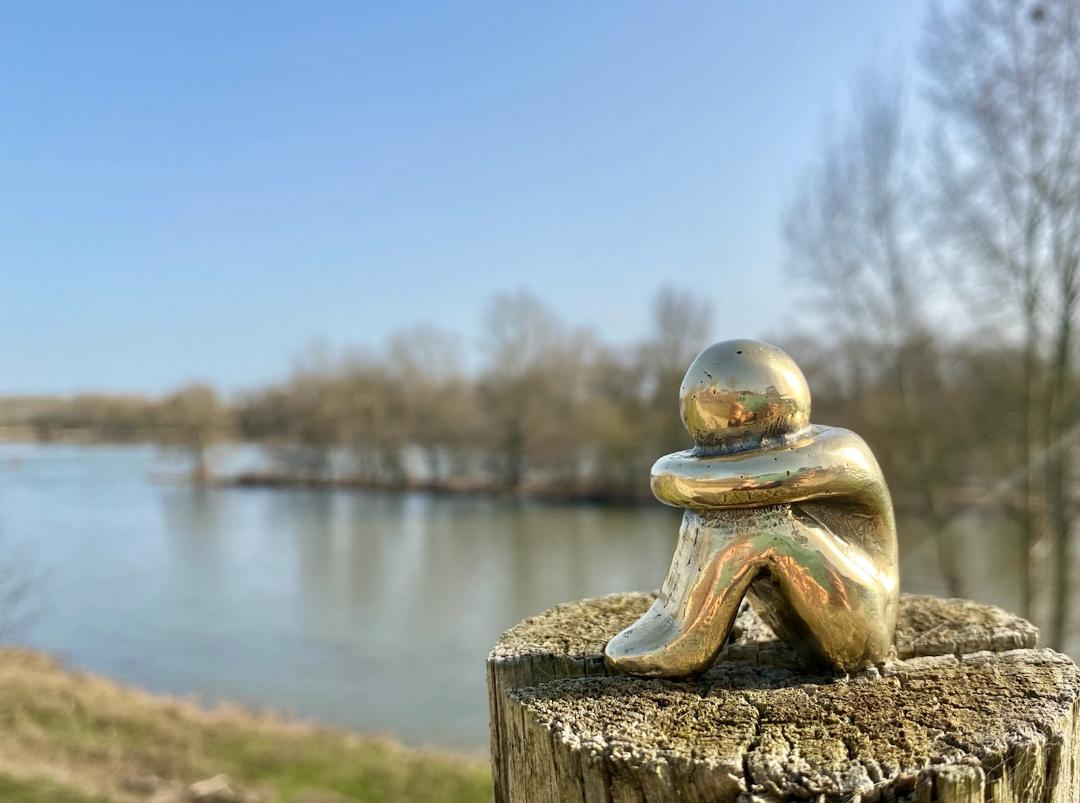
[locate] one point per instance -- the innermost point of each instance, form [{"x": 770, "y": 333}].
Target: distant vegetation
[{"x": 550, "y": 408}]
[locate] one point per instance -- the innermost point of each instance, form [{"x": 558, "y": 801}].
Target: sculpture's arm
[{"x": 828, "y": 463}]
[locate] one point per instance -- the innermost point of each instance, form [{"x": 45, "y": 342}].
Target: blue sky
[{"x": 200, "y": 190}]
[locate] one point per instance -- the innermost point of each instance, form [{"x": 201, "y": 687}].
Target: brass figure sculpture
[{"x": 795, "y": 516}]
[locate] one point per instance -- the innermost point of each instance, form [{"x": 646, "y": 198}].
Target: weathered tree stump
[{"x": 967, "y": 710}]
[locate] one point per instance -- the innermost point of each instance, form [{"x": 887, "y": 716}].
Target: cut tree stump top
[{"x": 967, "y": 710}]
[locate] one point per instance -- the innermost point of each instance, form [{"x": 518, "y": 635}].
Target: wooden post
[{"x": 967, "y": 710}]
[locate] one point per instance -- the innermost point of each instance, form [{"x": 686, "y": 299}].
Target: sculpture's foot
[
  {"x": 688, "y": 624},
  {"x": 657, "y": 645},
  {"x": 638, "y": 649}
]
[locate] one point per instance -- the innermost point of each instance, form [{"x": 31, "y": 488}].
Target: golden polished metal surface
[{"x": 795, "y": 517}]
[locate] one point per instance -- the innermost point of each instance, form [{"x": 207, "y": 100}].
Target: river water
[{"x": 367, "y": 610}]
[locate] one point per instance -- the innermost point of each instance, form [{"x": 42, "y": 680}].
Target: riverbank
[{"x": 81, "y": 738}]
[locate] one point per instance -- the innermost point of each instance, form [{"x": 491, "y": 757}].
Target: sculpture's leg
[
  {"x": 830, "y": 599},
  {"x": 809, "y": 584},
  {"x": 714, "y": 564}
]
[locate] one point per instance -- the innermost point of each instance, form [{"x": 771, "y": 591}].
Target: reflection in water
[
  {"x": 333, "y": 606},
  {"x": 191, "y": 521}
]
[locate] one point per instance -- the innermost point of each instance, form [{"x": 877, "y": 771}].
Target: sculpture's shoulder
[
  {"x": 844, "y": 445},
  {"x": 855, "y": 468},
  {"x": 837, "y": 435}
]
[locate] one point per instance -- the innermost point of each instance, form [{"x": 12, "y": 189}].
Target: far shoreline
[
  {"x": 585, "y": 494},
  {"x": 582, "y": 495}
]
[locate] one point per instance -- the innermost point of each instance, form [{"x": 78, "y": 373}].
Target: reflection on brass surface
[{"x": 796, "y": 517}]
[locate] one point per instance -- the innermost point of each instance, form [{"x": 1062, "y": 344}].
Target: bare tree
[
  {"x": 1005, "y": 82},
  {"x": 194, "y": 418},
  {"x": 533, "y": 388},
  {"x": 681, "y": 325},
  {"x": 437, "y": 403},
  {"x": 852, "y": 234}
]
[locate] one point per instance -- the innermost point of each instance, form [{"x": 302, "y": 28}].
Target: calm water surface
[{"x": 371, "y": 611}]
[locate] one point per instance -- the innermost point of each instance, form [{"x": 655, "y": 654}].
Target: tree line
[{"x": 551, "y": 407}]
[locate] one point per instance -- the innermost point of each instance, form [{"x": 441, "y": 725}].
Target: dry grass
[{"x": 69, "y": 731}]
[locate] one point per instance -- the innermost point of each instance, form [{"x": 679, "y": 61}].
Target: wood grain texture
[{"x": 966, "y": 710}]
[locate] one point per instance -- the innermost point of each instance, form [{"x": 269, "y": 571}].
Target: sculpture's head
[{"x": 742, "y": 391}]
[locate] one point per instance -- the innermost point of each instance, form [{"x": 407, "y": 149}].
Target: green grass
[
  {"x": 364, "y": 770},
  {"x": 42, "y": 791},
  {"x": 78, "y": 731}
]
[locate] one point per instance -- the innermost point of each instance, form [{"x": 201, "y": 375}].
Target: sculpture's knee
[{"x": 842, "y": 619}]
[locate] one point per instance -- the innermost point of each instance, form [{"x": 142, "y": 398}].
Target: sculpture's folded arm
[{"x": 824, "y": 463}]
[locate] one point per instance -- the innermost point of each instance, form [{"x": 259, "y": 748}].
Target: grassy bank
[{"x": 79, "y": 738}]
